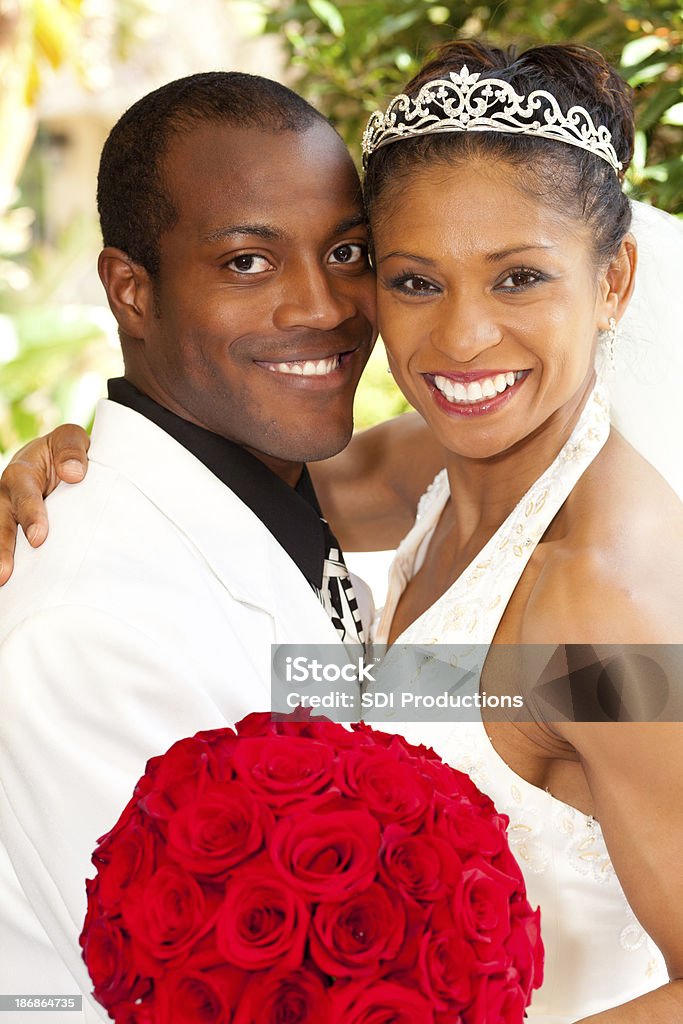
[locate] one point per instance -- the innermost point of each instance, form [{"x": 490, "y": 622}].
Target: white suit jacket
[{"x": 147, "y": 615}]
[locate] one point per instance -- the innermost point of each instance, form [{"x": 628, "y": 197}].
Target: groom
[{"x": 235, "y": 262}]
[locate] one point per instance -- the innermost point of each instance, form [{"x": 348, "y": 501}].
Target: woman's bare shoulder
[{"x": 612, "y": 570}]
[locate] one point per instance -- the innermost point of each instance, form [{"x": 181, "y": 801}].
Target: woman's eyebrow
[
  {"x": 495, "y": 257},
  {"x": 407, "y": 256}
]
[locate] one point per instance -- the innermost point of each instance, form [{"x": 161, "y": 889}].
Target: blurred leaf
[
  {"x": 661, "y": 101},
  {"x": 639, "y": 152},
  {"x": 674, "y": 115},
  {"x": 638, "y": 50},
  {"x": 329, "y": 15}
]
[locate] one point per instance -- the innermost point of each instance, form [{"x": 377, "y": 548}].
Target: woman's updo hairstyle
[{"x": 569, "y": 178}]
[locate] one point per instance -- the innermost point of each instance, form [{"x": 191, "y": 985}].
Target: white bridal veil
[{"x": 646, "y": 387}]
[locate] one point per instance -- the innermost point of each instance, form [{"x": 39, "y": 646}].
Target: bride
[
  {"x": 505, "y": 264},
  {"x": 501, "y": 258},
  {"x": 502, "y": 255}
]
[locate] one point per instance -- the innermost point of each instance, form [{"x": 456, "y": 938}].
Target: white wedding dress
[{"x": 597, "y": 954}]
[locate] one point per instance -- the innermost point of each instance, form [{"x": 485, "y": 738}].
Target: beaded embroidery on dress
[{"x": 597, "y": 954}]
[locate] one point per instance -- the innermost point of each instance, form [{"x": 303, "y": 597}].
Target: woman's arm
[
  {"x": 33, "y": 473},
  {"x": 634, "y": 765},
  {"x": 635, "y": 774},
  {"x": 369, "y": 492}
]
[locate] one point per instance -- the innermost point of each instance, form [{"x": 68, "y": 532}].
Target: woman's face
[{"x": 489, "y": 303}]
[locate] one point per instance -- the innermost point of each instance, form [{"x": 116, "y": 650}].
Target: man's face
[{"x": 265, "y": 302}]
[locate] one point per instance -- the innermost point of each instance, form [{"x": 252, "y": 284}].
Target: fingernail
[
  {"x": 32, "y": 533},
  {"x": 73, "y": 465}
]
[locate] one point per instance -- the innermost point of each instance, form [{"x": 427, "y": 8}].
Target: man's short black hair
[{"x": 134, "y": 206}]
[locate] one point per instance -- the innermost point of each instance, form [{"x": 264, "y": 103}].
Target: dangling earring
[
  {"x": 606, "y": 356},
  {"x": 612, "y": 336}
]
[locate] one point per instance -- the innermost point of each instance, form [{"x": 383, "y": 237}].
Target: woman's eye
[
  {"x": 519, "y": 279},
  {"x": 352, "y": 252},
  {"x": 413, "y": 285},
  {"x": 249, "y": 263}
]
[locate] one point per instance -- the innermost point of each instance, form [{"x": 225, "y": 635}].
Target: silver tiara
[{"x": 461, "y": 103}]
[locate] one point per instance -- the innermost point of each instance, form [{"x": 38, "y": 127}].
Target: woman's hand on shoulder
[{"x": 32, "y": 474}]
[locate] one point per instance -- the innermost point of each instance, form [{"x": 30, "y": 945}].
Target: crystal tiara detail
[{"x": 462, "y": 103}]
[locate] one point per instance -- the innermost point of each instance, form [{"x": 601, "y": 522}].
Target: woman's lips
[{"x": 474, "y": 392}]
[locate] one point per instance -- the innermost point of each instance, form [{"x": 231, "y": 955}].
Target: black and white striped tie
[{"x": 336, "y": 593}]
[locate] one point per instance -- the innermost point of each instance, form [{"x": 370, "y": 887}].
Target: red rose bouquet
[{"x": 298, "y": 873}]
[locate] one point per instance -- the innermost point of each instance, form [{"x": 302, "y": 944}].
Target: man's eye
[
  {"x": 352, "y": 252},
  {"x": 249, "y": 263}
]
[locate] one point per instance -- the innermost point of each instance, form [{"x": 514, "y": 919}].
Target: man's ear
[
  {"x": 618, "y": 282},
  {"x": 129, "y": 290}
]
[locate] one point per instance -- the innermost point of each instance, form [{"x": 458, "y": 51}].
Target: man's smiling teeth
[
  {"x": 307, "y": 367},
  {"x": 476, "y": 390}
]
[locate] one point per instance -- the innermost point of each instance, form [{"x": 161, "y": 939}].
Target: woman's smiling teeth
[
  {"x": 307, "y": 367},
  {"x": 476, "y": 390}
]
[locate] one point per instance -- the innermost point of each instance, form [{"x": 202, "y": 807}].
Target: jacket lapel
[{"x": 235, "y": 545}]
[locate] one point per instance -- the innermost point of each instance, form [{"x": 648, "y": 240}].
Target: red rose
[
  {"x": 422, "y": 867},
  {"x": 470, "y": 830},
  {"x": 327, "y": 856},
  {"x": 481, "y": 905},
  {"x": 417, "y": 923},
  {"x": 178, "y": 777},
  {"x": 284, "y": 770},
  {"x": 135, "y": 1013},
  {"x": 303, "y": 724},
  {"x": 447, "y": 965},
  {"x": 107, "y": 954},
  {"x": 222, "y": 827},
  {"x": 383, "y": 1003},
  {"x": 524, "y": 946},
  {"x": 351, "y": 938},
  {"x": 258, "y": 723},
  {"x": 390, "y": 788},
  {"x": 505, "y": 862},
  {"x": 124, "y": 859},
  {"x": 263, "y": 921},
  {"x": 306, "y": 722},
  {"x": 278, "y": 997},
  {"x": 456, "y": 785},
  {"x": 168, "y": 914},
  {"x": 498, "y": 999},
  {"x": 395, "y": 740},
  {"x": 187, "y": 996},
  {"x": 221, "y": 743}
]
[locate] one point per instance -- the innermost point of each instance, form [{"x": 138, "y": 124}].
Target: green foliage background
[{"x": 351, "y": 56}]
